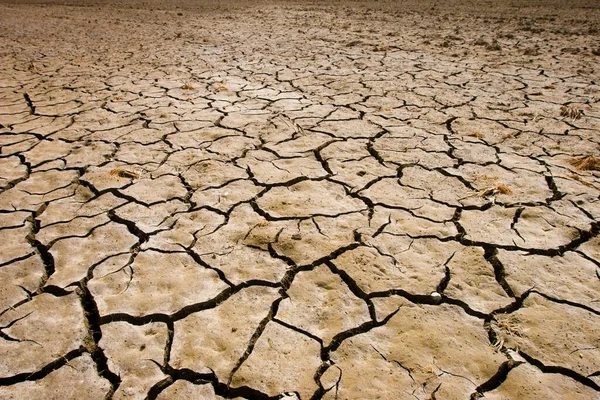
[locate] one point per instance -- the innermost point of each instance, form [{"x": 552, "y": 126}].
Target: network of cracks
[{"x": 301, "y": 207}]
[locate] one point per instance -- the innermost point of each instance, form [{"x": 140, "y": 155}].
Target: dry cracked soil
[{"x": 299, "y": 200}]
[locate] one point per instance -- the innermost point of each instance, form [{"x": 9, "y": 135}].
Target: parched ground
[{"x": 299, "y": 200}]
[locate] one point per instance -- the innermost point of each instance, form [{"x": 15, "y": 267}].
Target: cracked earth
[{"x": 304, "y": 200}]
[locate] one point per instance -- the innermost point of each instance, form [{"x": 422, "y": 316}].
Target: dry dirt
[{"x": 299, "y": 200}]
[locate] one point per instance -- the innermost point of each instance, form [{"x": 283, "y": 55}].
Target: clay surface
[{"x": 299, "y": 200}]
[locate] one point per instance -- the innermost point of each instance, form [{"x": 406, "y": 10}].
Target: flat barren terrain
[{"x": 300, "y": 200}]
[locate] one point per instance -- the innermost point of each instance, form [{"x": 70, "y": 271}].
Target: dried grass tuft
[
  {"x": 582, "y": 181},
  {"x": 586, "y": 163},
  {"x": 490, "y": 191},
  {"x": 510, "y": 326},
  {"x": 570, "y": 112}
]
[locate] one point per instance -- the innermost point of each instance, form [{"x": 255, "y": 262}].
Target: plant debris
[
  {"x": 586, "y": 163},
  {"x": 570, "y": 112},
  {"x": 123, "y": 173},
  {"x": 582, "y": 181},
  {"x": 494, "y": 190},
  {"x": 490, "y": 192}
]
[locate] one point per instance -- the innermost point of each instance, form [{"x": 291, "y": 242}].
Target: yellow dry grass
[
  {"x": 586, "y": 163},
  {"x": 570, "y": 112},
  {"x": 582, "y": 181}
]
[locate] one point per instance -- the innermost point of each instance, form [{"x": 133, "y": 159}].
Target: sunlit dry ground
[{"x": 306, "y": 200}]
